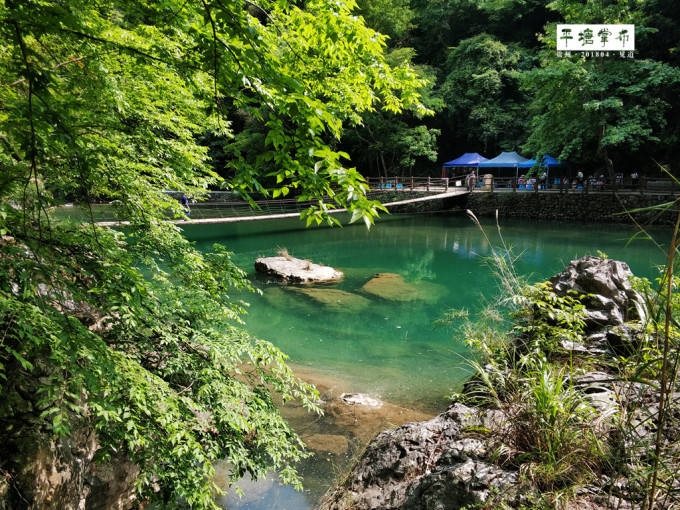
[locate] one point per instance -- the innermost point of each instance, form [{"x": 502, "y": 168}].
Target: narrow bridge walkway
[{"x": 260, "y": 217}]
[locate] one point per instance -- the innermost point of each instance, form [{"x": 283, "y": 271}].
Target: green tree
[
  {"x": 393, "y": 145},
  {"x": 393, "y": 18},
  {"x": 132, "y": 333},
  {"x": 587, "y": 109},
  {"x": 481, "y": 92}
]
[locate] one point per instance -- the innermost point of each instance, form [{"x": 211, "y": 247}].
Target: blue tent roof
[
  {"x": 504, "y": 159},
  {"x": 467, "y": 159},
  {"x": 548, "y": 161}
]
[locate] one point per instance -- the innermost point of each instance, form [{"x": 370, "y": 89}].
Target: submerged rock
[
  {"x": 393, "y": 287},
  {"x": 363, "y": 416},
  {"x": 331, "y": 443},
  {"x": 337, "y": 300},
  {"x": 292, "y": 270},
  {"x": 361, "y": 400},
  {"x": 452, "y": 461}
]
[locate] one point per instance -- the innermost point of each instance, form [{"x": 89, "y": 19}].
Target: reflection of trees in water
[
  {"x": 421, "y": 268},
  {"x": 470, "y": 244}
]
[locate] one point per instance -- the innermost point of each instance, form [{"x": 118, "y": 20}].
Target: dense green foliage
[
  {"x": 496, "y": 83},
  {"x": 503, "y": 86},
  {"x": 132, "y": 333},
  {"x": 533, "y": 362}
]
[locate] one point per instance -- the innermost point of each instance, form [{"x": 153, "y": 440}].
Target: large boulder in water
[{"x": 292, "y": 270}]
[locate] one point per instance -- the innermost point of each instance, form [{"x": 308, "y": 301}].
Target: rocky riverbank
[{"x": 471, "y": 455}]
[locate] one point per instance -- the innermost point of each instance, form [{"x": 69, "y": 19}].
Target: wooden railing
[
  {"x": 416, "y": 183},
  {"x": 643, "y": 185}
]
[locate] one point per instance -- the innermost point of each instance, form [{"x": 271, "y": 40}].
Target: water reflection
[
  {"x": 388, "y": 349},
  {"x": 264, "y": 494}
]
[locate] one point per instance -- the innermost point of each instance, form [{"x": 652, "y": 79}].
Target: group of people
[
  {"x": 595, "y": 181},
  {"x": 579, "y": 180}
]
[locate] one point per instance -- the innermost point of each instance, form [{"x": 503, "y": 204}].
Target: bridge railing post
[
  {"x": 428, "y": 183},
  {"x": 411, "y": 183},
  {"x": 446, "y": 184},
  {"x": 381, "y": 183}
]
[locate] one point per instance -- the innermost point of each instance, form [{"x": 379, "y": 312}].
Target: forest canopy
[{"x": 131, "y": 333}]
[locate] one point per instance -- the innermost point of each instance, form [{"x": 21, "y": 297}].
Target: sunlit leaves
[{"x": 134, "y": 333}]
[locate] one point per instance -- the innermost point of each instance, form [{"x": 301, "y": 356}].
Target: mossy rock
[
  {"x": 393, "y": 287},
  {"x": 337, "y": 300}
]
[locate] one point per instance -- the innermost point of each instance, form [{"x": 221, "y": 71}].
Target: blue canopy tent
[
  {"x": 469, "y": 159},
  {"x": 505, "y": 160},
  {"x": 547, "y": 163}
]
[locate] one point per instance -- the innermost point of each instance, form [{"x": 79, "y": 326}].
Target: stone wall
[{"x": 573, "y": 206}]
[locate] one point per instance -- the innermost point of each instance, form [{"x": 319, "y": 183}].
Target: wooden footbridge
[{"x": 388, "y": 191}]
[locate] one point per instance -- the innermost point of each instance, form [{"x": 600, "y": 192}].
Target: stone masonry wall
[{"x": 575, "y": 206}]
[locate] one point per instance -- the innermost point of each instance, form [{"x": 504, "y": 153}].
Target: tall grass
[{"x": 549, "y": 430}]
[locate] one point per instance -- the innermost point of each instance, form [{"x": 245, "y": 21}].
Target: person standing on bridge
[
  {"x": 185, "y": 205},
  {"x": 471, "y": 180}
]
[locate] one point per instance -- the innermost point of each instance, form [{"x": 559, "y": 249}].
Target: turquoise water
[{"x": 390, "y": 349}]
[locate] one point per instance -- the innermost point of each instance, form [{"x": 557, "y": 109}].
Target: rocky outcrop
[
  {"x": 288, "y": 269},
  {"x": 452, "y": 461},
  {"x": 424, "y": 465},
  {"x": 610, "y": 298},
  {"x": 61, "y": 474}
]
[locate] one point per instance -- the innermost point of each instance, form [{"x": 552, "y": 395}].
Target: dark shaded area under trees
[{"x": 496, "y": 84}]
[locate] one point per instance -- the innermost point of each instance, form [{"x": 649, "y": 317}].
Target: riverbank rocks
[
  {"x": 460, "y": 459},
  {"x": 611, "y": 300},
  {"x": 393, "y": 287},
  {"x": 334, "y": 299},
  {"x": 291, "y": 270},
  {"x": 425, "y": 465}
]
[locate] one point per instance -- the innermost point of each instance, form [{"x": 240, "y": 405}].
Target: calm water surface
[{"x": 388, "y": 349}]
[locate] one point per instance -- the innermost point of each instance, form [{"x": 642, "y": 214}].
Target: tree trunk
[{"x": 607, "y": 160}]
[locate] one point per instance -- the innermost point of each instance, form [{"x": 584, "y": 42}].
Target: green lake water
[{"x": 388, "y": 349}]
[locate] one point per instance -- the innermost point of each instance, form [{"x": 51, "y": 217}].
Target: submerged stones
[
  {"x": 289, "y": 269},
  {"x": 299, "y": 276},
  {"x": 393, "y": 287},
  {"x": 451, "y": 461},
  {"x": 335, "y": 299},
  {"x": 331, "y": 443}
]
